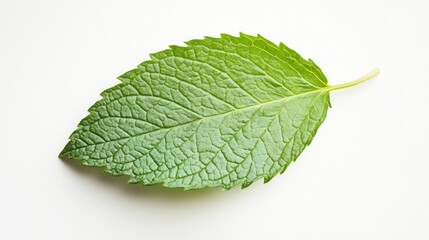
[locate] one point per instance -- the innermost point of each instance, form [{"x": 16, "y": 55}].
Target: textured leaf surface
[{"x": 216, "y": 112}]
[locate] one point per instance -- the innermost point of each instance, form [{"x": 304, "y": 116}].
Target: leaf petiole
[{"x": 368, "y": 76}]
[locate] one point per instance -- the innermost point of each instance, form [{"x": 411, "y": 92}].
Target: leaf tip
[{"x": 62, "y": 155}]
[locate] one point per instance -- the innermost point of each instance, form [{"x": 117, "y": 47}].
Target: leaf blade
[{"x": 187, "y": 117}]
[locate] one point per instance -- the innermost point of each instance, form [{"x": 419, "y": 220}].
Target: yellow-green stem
[{"x": 368, "y": 76}]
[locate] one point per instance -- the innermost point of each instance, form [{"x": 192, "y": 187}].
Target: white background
[{"x": 365, "y": 176}]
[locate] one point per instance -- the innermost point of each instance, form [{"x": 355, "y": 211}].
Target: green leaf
[{"x": 216, "y": 112}]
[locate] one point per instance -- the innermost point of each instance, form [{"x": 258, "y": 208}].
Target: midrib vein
[{"x": 324, "y": 89}]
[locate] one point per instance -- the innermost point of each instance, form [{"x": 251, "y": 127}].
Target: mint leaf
[{"x": 217, "y": 112}]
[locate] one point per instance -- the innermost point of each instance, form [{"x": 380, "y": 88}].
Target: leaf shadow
[{"x": 155, "y": 192}]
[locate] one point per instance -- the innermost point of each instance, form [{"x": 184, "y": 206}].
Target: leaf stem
[{"x": 368, "y": 76}]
